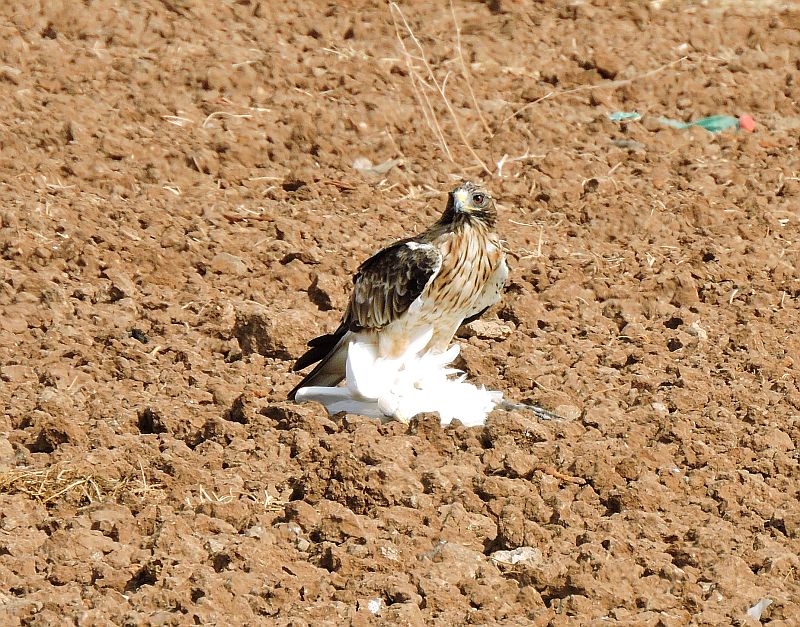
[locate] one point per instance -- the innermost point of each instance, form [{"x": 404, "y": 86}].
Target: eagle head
[{"x": 469, "y": 202}]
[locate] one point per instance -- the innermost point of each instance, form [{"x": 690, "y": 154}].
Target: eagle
[{"x": 424, "y": 286}]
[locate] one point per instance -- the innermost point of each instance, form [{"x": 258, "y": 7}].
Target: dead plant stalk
[
  {"x": 421, "y": 57},
  {"x": 609, "y": 85},
  {"x": 465, "y": 71}
]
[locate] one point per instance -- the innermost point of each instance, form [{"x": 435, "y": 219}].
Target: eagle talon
[{"x": 540, "y": 412}]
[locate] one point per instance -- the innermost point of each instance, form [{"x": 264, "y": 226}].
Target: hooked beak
[{"x": 460, "y": 199}]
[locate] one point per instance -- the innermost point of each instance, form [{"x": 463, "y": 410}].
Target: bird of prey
[{"x": 429, "y": 284}]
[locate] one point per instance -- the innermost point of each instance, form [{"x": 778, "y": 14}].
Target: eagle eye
[{"x": 479, "y": 199}]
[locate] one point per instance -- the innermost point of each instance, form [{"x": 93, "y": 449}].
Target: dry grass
[
  {"x": 429, "y": 85},
  {"x": 64, "y": 483},
  {"x": 607, "y": 85},
  {"x": 424, "y": 79},
  {"x": 269, "y": 502}
]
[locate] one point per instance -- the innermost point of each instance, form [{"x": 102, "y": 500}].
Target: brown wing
[{"x": 388, "y": 282}]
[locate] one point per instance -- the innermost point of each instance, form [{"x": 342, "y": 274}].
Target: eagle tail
[
  {"x": 330, "y": 351},
  {"x": 318, "y": 349}
]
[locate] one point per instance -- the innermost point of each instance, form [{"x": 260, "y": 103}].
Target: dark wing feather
[
  {"x": 388, "y": 282},
  {"x": 474, "y": 317},
  {"x": 318, "y": 348},
  {"x": 384, "y": 287}
]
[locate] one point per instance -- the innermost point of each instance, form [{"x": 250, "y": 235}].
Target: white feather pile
[{"x": 402, "y": 388}]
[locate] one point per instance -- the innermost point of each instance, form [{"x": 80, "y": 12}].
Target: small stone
[
  {"x": 256, "y": 332},
  {"x": 568, "y": 412},
  {"x": 116, "y": 148},
  {"x": 216, "y": 78},
  {"x": 256, "y": 531},
  {"x": 222, "y": 393},
  {"x": 121, "y": 285},
  {"x": 303, "y": 514},
  {"x": 7, "y": 458},
  {"x": 308, "y": 256},
  {"x": 404, "y": 614},
  {"x": 697, "y": 331},
  {"x": 362, "y": 163},
  {"x": 338, "y": 523},
  {"x": 16, "y": 373},
  {"x": 365, "y": 166},
  {"x": 52, "y": 432},
  {"x": 139, "y": 336},
  {"x": 75, "y": 133},
  {"x": 173, "y": 237},
  {"x": 607, "y": 65},
  {"x": 375, "y": 605},
  {"x": 325, "y": 293},
  {"x": 214, "y": 546},
  {"x": 225, "y": 263},
  {"x": 10, "y": 74},
  {"x": 14, "y": 325},
  {"x": 781, "y": 565},
  {"x": 486, "y": 330},
  {"x": 526, "y": 555},
  {"x": 113, "y": 521}
]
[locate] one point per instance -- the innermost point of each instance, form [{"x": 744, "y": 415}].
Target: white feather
[
  {"x": 363, "y": 372},
  {"x": 401, "y": 388}
]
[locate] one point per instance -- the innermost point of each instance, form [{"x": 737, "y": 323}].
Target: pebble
[
  {"x": 697, "y": 331},
  {"x": 526, "y": 555},
  {"x": 486, "y": 329},
  {"x": 225, "y": 263}
]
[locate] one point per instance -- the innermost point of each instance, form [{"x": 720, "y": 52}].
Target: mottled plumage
[{"x": 453, "y": 271}]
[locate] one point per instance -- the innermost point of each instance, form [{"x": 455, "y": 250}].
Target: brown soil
[{"x": 179, "y": 214}]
